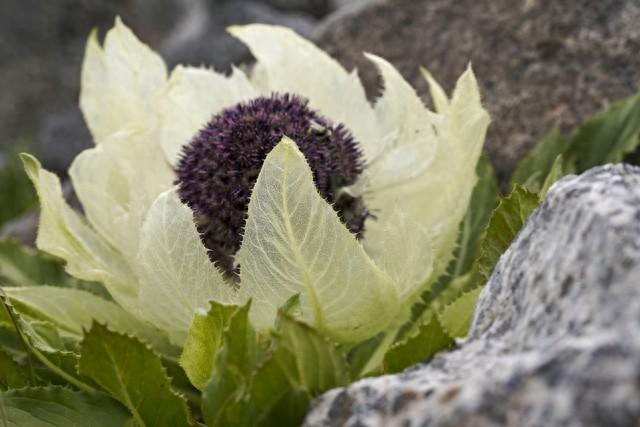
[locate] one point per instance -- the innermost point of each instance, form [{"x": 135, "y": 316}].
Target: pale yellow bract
[{"x": 140, "y": 241}]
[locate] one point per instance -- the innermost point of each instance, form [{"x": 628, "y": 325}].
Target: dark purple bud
[{"x": 218, "y": 169}]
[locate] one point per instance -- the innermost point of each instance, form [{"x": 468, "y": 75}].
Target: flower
[
  {"x": 411, "y": 172},
  {"x": 218, "y": 169}
]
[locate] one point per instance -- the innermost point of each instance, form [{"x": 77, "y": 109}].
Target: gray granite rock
[
  {"x": 540, "y": 63},
  {"x": 555, "y": 339}
]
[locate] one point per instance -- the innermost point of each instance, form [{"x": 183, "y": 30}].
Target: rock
[
  {"x": 540, "y": 63},
  {"x": 341, "y": 6},
  {"x": 62, "y": 137},
  {"x": 315, "y": 8},
  {"x": 202, "y": 37},
  {"x": 555, "y": 340}
]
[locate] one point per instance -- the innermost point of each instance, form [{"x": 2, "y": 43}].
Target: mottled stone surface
[
  {"x": 556, "y": 336},
  {"x": 540, "y": 63}
]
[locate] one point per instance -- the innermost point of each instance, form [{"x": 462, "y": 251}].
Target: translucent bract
[{"x": 140, "y": 242}]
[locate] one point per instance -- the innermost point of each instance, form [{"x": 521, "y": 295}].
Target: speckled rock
[
  {"x": 540, "y": 63},
  {"x": 556, "y": 336}
]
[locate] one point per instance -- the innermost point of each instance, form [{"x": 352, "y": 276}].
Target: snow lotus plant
[{"x": 270, "y": 228}]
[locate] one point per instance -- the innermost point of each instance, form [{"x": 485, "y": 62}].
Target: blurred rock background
[
  {"x": 541, "y": 63},
  {"x": 42, "y": 44}
]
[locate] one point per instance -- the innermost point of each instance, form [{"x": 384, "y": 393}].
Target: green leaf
[
  {"x": 182, "y": 386},
  {"x": 203, "y": 343},
  {"x": 294, "y": 243},
  {"x": 289, "y": 411},
  {"x": 457, "y": 316},
  {"x": 59, "y": 407},
  {"x": 134, "y": 375},
  {"x": 16, "y": 193},
  {"x": 300, "y": 364},
  {"x": 457, "y": 303},
  {"x": 269, "y": 386},
  {"x": 42, "y": 340},
  {"x": 224, "y": 396},
  {"x": 535, "y": 166},
  {"x": 367, "y": 358},
  {"x": 430, "y": 339},
  {"x": 12, "y": 375},
  {"x": 558, "y": 170},
  {"x": 10, "y": 341},
  {"x": 454, "y": 289},
  {"x": 484, "y": 199},
  {"x": 73, "y": 310},
  {"x": 268, "y": 400},
  {"x": 310, "y": 361},
  {"x": 23, "y": 266},
  {"x": 290, "y": 307},
  {"x": 505, "y": 223},
  {"x": 608, "y": 136}
]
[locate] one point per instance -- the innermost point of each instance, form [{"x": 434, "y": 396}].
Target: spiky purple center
[{"x": 218, "y": 169}]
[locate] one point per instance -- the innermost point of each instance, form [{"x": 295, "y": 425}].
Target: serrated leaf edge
[
  {"x": 15, "y": 317},
  {"x": 443, "y": 309},
  {"x": 181, "y": 396}
]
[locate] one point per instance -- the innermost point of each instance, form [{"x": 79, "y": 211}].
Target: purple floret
[{"x": 218, "y": 169}]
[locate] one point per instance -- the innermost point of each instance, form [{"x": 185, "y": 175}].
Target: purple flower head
[{"x": 218, "y": 169}]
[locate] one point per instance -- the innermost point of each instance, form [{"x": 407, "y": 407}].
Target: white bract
[{"x": 140, "y": 241}]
